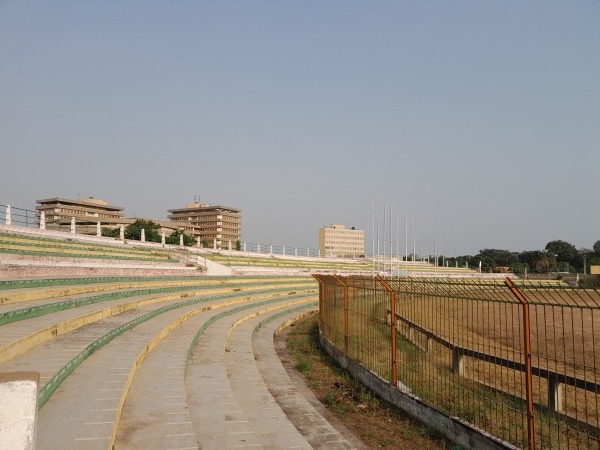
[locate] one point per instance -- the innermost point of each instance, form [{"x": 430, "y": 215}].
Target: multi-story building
[
  {"x": 209, "y": 223},
  {"x": 87, "y": 213},
  {"x": 336, "y": 241}
]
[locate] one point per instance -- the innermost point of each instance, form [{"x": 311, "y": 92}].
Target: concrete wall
[{"x": 18, "y": 409}]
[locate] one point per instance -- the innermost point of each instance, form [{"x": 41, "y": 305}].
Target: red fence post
[
  {"x": 528, "y": 369},
  {"x": 321, "y": 301},
  {"x": 393, "y": 321},
  {"x": 343, "y": 283}
]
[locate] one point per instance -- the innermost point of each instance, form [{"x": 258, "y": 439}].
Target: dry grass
[{"x": 377, "y": 423}]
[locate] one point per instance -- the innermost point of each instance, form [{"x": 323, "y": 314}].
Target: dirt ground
[{"x": 376, "y": 423}]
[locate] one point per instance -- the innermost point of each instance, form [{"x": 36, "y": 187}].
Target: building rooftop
[
  {"x": 206, "y": 206},
  {"x": 88, "y": 201}
]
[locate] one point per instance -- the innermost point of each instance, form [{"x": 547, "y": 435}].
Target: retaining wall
[{"x": 451, "y": 427}]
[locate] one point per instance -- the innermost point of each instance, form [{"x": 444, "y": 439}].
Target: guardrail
[{"x": 11, "y": 215}]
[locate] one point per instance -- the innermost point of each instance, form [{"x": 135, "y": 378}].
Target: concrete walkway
[{"x": 224, "y": 401}]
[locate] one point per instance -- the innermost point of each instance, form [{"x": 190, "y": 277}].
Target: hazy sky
[{"x": 481, "y": 119}]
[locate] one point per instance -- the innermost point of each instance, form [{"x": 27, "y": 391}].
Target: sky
[{"x": 479, "y": 122}]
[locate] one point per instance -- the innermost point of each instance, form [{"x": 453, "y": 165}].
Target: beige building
[
  {"x": 87, "y": 213},
  {"x": 336, "y": 241},
  {"x": 210, "y": 223}
]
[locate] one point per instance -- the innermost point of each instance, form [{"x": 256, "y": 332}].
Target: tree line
[
  {"x": 557, "y": 256},
  {"x": 133, "y": 232}
]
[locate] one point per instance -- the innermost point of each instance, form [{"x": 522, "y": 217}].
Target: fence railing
[
  {"x": 11, "y": 215},
  {"x": 517, "y": 360},
  {"x": 271, "y": 249}
]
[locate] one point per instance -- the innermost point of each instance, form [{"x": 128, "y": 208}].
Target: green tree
[
  {"x": 545, "y": 264},
  {"x": 519, "y": 268},
  {"x": 530, "y": 258},
  {"x": 133, "y": 231},
  {"x": 565, "y": 267},
  {"x": 596, "y": 248},
  {"x": 238, "y": 245},
  {"x": 461, "y": 261},
  {"x": 499, "y": 257},
  {"x": 564, "y": 252},
  {"x": 205, "y": 243},
  {"x": 174, "y": 239},
  {"x": 595, "y": 261},
  {"x": 110, "y": 232},
  {"x": 487, "y": 264}
]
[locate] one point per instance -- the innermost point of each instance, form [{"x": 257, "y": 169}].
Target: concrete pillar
[
  {"x": 98, "y": 229},
  {"x": 458, "y": 363},
  {"x": 163, "y": 239},
  {"x": 430, "y": 343},
  {"x": 319, "y": 253},
  {"x": 228, "y": 245},
  {"x": 284, "y": 250},
  {"x": 198, "y": 242},
  {"x": 271, "y": 249},
  {"x": 8, "y": 220},
  {"x": 258, "y": 248},
  {"x": 555, "y": 394},
  {"x": 122, "y": 233},
  {"x": 181, "y": 240},
  {"x": 73, "y": 225},
  {"x": 143, "y": 235},
  {"x": 244, "y": 247},
  {"x": 295, "y": 251},
  {"x": 18, "y": 409},
  {"x": 43, "y": 220},
  {"x": 215, "y": 244}
]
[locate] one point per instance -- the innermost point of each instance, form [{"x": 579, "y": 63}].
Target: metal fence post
[
  {"x": 346, "y": 343},
  {"x": 393, "y": 321},
  {"x": 528, "y": 369},
  {"x": 321, "y": 301}
]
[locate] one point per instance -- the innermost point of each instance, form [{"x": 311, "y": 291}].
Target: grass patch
[{"x": 376, "y": 422}]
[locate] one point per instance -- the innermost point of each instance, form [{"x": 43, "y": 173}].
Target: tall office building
[
  {"x": 209, "y": 223},
  {"x": 337, "y": 241}
]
